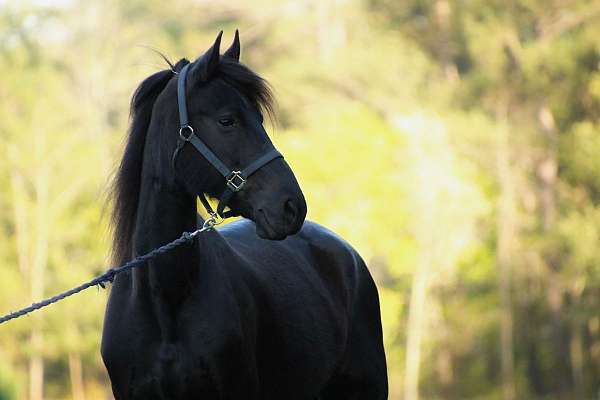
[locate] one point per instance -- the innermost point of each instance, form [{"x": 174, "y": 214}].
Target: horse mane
[{"x": 126, "y": 184}]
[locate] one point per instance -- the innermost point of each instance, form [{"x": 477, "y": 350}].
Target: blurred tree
[{"x": 469, "y": 176}]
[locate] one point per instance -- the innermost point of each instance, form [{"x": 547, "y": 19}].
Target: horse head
[{"x": 232, "y": 155}]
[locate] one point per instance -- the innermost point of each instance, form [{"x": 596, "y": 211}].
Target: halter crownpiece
[{"x": 235, "y": 179}]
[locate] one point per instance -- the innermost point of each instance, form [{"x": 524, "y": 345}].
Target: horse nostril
[{"x": 291, "y": 210}]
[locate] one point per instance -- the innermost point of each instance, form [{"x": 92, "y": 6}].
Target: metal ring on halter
[
  {"x": 182, "y": 136},
  {"x": 212, "y": 221}
]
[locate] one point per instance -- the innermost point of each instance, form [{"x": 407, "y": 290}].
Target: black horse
[{"x": 267, "y": 307}]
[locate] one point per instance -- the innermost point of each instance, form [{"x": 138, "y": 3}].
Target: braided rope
[{"x": 109, "y": 275}]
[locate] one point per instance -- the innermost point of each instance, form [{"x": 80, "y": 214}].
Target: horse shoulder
[{"x": 338, "y": 264}]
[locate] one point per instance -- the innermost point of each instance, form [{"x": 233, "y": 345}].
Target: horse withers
[{"x": 268, "y": 307}]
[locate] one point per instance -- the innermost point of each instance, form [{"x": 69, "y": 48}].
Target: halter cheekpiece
[{"x": 235, "y": 179}]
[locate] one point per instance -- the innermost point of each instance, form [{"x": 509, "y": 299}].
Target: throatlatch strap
[
  {"x": 222, "y": 204},
  {"x": 206, "y": 204},
  {"x": 225, "y": 197}
]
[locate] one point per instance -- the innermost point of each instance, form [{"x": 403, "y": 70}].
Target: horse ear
[
  {"x": 206, "y": 64},
  {"x": 234, "y": 50}
]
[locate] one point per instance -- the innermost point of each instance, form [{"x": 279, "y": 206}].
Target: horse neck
[{"x": 163, "y": 215}]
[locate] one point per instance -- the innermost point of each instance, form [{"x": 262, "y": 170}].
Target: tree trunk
[
  {"x": 32, "y": 267},
  {"x": 443, "y": 14},
  {"x": 38, "y": 267},
  {"x": 444, "y": 366},
  {"x": 576, "y": 356},
  {"x": 415, "y": 331},
  {"x": 76, "y": 375},
  {"x": 36, "y": 366},
  {"x": 547, "y": 169},
  {"x": 21, "y": 231},
  {"x": 424, "y": 228},
  {"x": 506, "y": 231},
  {"x": 416, "y": 316},
  {"x": 331, "y": 28}
]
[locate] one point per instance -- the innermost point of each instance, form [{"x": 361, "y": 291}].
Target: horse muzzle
[{"x": 277, "y": 223}]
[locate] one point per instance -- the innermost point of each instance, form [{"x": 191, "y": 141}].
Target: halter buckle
[
  {"x": 183, "y": 129},
  {"x": 235, "y": 181}
]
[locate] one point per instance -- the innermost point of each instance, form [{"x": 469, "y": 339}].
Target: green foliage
[
  {"x": 7, "y": 386},
  {"x": 421, "y": 131}
]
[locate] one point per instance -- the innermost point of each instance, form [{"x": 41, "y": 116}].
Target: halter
[{"x": 235, "y": 179}]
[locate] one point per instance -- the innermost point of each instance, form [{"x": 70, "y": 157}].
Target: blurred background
[{"x": 454, "y": 143}]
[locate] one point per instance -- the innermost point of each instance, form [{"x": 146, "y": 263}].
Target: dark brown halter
[{"x": 235, "y": 179}]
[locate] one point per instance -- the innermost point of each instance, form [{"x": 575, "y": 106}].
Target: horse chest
[
  {"x": 171, "y": 371},
  {"x": 145, "y": 361}
]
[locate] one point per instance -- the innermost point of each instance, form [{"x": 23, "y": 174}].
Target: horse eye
[{"x": 227, "y": 121}]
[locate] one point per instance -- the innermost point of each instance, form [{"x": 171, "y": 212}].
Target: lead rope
[{"x": 109, "y": 275}]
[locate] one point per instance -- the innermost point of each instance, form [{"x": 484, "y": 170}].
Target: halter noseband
[{"x": 235, "y": 179}]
